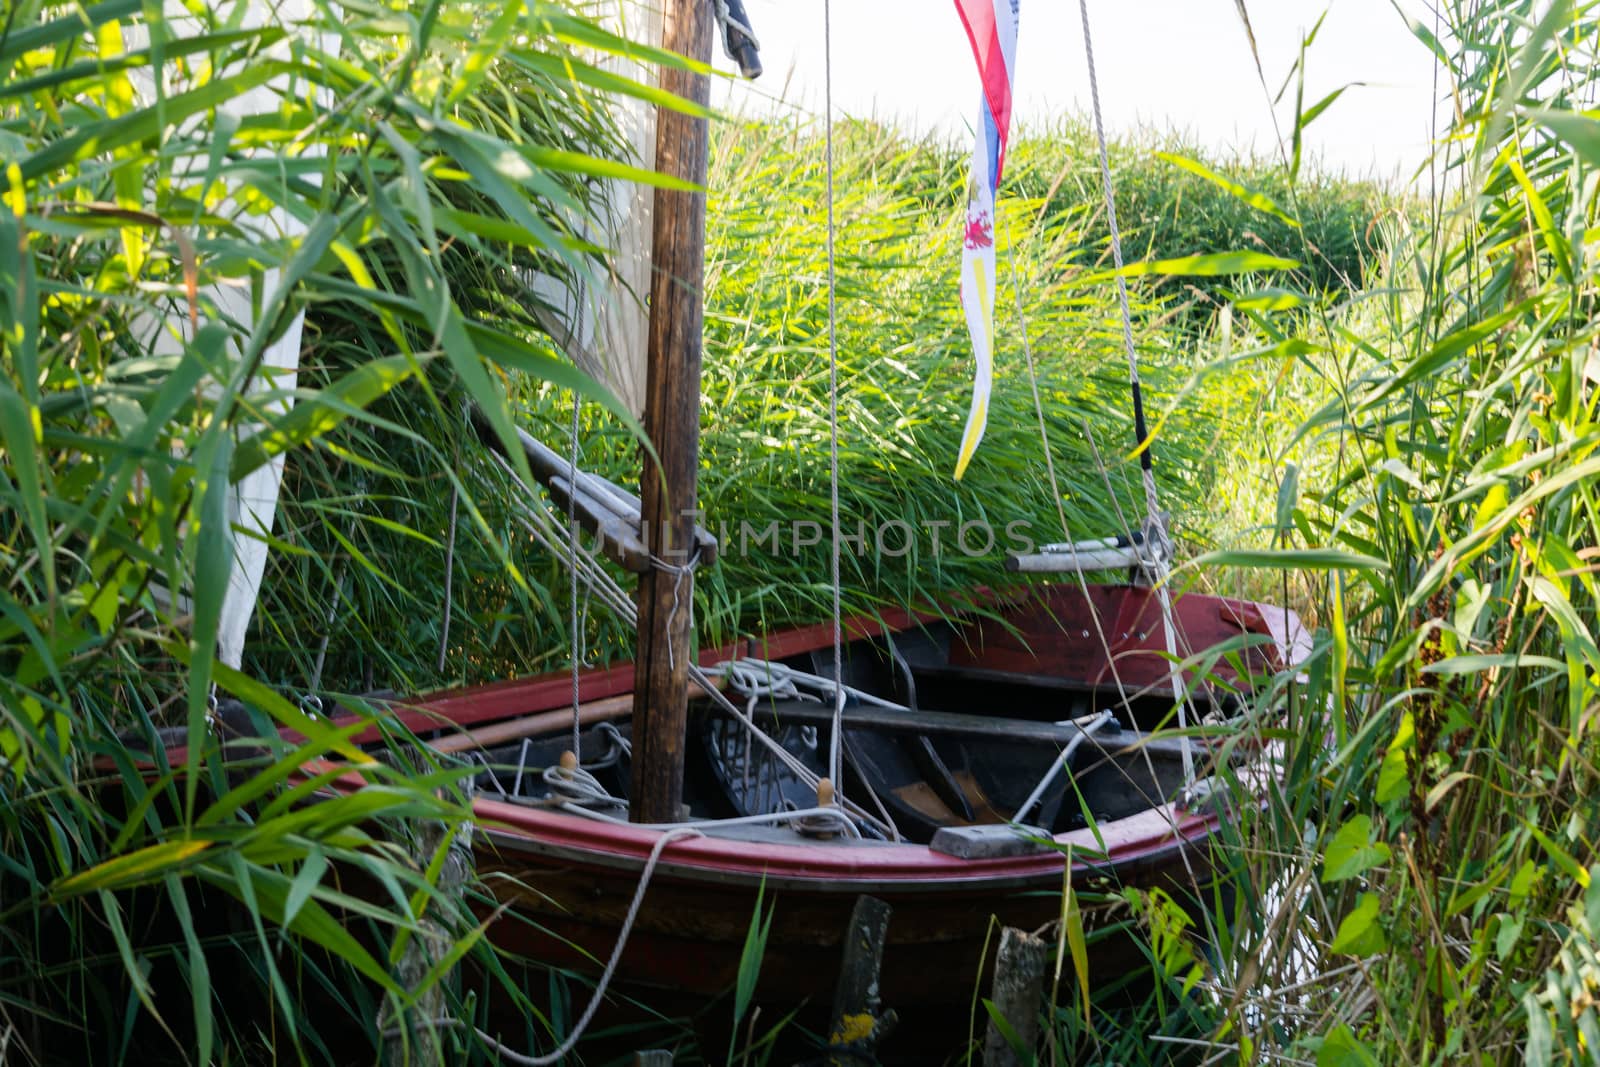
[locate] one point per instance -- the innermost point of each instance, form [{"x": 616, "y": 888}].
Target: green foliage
[
  {"x": 1175, "y": 200},
  {"x": 1416, "y": 888},
  {"x": 382, "y": 491},
  {"x": 147, "y": 266}
]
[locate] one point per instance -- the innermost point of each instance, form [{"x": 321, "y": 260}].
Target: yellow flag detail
[
  {"x": 976, "y": 423},
  {"x": 983, "y": 349}
]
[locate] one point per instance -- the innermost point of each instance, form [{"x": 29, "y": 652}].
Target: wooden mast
[{"x": 672, "y": 420}]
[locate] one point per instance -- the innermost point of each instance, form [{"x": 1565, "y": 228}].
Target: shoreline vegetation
[{"x": 1376, "y": 407}]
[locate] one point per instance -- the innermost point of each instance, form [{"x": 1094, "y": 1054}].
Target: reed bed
[
  {"x": 905, "y": 374},
  {"x": 199, "y": 913},
  {"x": 1419, "y": 887}
]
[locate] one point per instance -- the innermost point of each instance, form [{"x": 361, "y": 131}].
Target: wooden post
[
  {"x": 1018, "y": 991},
  {"x": 672, "y": 419},
  {"x": 420, "y": 1042},
  {"x": 857, "y": 1023}
]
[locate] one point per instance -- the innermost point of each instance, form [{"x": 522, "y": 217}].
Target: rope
[
  {"x": 511, "y": 1055},
  {"x": 764, "y": 678},
  {"x": 835, "y": 751},
  {"x": 680, "y": 571},
  {"x": 449, "y": 566},
  {"x": 537, "y": 521},
  {"x": 1156, "y": 541},
  {"x": 732, "y": 23},
  {"x": 1033, "y": 381},
  {"x": 1146, "y": 459},
  {"x": 572, "y": 538}
]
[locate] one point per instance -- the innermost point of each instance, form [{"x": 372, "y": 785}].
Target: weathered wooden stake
[
  {"x": 858, "y": 1025},
  {"x": 420, "y": 1043},
  {"x": 672, "y": 420},
  {"x": 1018, "y": 990}
]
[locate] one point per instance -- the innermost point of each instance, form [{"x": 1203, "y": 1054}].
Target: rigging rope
[
  {"x": 537, "y": 520},
  {"x": 835, "y": 741},
  {"x": 1033, "y": 382},
  {"x": 1156, "y": 541},
  {"x": 572, "y": 538},
  {"x": 449, "y": 564}
]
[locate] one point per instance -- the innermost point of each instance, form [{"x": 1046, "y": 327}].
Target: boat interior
[{"x": 935, "y": 743}]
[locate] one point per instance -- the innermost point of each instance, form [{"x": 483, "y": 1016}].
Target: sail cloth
[
  {"x": 992, "y": 29},
  {"x": 601, "y": 322},
  {"x": 253, "y": 500}
]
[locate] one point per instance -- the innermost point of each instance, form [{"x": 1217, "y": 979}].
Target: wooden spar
[{"x": 672, "y": 421}]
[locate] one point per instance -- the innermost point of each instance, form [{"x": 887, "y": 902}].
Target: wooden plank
[
  {"x": 500, "y": 733},
  {"x": 672, "y": 421},
  {"x": 606, "y": 709},
  {"x": 955, "y": 724}
]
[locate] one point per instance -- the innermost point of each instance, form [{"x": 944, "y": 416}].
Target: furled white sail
[
  {"x": 253, "y": 501},
  {"x": 604, "y": 327}
]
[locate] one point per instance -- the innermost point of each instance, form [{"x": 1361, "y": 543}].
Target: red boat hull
[
  {"x": 691, "y": 928},
  {"x": 568, "y": 881}
]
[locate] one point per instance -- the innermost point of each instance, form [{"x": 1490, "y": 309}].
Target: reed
[
  {"x": 905, "y": 373},
  {"x": 1418, "y": 887},
  {"x": 196, "y": 910}
]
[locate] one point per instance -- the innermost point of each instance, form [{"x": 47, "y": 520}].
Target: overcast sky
[{"x": 1171, "y": 64}]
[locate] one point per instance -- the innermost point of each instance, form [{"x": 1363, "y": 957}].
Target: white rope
[
  {"x": 511, "y": 1055},
  {"x": 726, "y": 20},
  {"x": 679, "y": 571},
  {"x": 583, "y": 788},
  {"x": 572, "y": 539},
  {"x": 764, "y": 678},
  {"x": 537, "y": 521},
  {"x": 835, "y": 742},
  {"x": 1033, "y": 382},
  {"x": 579, "y": 785},
  {"x": 449, "y": 570},
  {"x": 1156, "y": 543}
]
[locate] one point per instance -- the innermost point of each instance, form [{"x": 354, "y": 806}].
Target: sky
[{"x": 1169, "y": 64}]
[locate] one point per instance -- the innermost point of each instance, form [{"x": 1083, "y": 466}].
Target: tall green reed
[
  {"x": 398, "y": 138},
  {"x": 1416, "y": 888},
  {"x": 905, "y": 381}
]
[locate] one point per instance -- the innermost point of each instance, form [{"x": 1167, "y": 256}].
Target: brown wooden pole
[{"x": 672, "y": 419}]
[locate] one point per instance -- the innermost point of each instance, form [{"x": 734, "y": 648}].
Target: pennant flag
[{"x": 992, "y": 28}]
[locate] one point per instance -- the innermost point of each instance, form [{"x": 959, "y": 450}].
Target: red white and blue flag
[{"x": 992, "y": 28}]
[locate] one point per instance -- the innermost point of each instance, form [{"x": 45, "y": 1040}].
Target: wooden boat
[
  {"x": 999, "y": 696},
  {"x": 977, "y": 753},
  {"x": 985, "y": 756}
]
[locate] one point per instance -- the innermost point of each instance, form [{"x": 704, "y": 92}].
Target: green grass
[
  {"x": 905, "y": 376},
  {"x": 196, "y": 912}
]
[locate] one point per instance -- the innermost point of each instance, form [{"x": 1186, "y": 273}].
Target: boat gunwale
[{"x": 564, "y": 839}]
